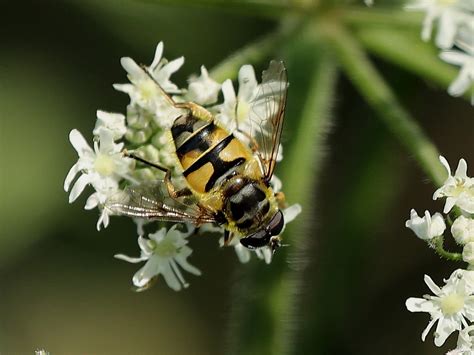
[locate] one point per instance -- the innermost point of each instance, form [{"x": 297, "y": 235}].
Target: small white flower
[
  {"x": 427, "y": 227},
  {"x": 248, "y": 106},
  {"x": 102, "y": 167},
  {"x": 203, "y": 90},
  {"x": 458, "y": 189},
  {"x": 451, "y": 307},
  {"x": 463, "y": 230},
  {"x": 115, "y": 122},
  {"x": 164, "y": 252},
  {"x": 369, "y": 2},
  {"x": 144, "y": 90}
]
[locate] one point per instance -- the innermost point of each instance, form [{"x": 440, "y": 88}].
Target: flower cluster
[
  {"x": 145, "y": 129},
  {"x": 453, "y": 304},
  {"x": 455, "y": 37}
]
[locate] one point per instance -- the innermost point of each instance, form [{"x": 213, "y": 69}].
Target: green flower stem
[
  {"x": 437, "y": 244},
  {"x": 265, "y": 298},
  {"x": 364, "y": 17},
  {"x": 254, "y": 52},
  {"x": 407, "y": 50},
  {"x": 379, "y": 95}
]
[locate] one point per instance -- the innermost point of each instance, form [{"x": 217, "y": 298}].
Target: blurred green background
[{"x": 60, "y": 287}]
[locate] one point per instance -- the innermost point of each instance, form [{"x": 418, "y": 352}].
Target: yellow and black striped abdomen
[{"x": 206, "y": 152}]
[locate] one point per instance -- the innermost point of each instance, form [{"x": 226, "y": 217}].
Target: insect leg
[
  {"x": 141, "y": 160},
  {"x": 169, "y": 185},
  {"x": 228, "y": 236}
]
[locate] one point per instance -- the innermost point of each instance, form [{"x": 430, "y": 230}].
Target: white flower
[
  {"x": 369, "y": 2},
  {"x": 203, "y": 90},
  {"x": 463, "y": 230},
  {"x": 451, "y": 307},
  {"x": 427, "y": 227},
  {"x": 144, "y": 90},
  {"x": 102, "y": 167},
  {"x": 458, "y": 189},
  {"x": 449, "y": 15},
  {"x": 163, "y": 252},
  {"x": 115, "y": 122},
  {"x": 246, "y": 108}
]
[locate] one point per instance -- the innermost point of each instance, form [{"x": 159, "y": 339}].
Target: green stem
[
  {"x": 362, "y": 17},
  {"x": 407, "y": 50},
  {"x": 437, "y": 244},
  {"x": 254, "y": 52},
  {"x": 263, "y": 318},
  {"x": 380, "y": 97}
]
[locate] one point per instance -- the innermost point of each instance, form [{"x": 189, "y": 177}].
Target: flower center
[
  {"x": 148, "y": 89},
  {"x": 104, "y": 165},
  {"x": 452, "y": 304},
  {"x": 165, "y": 248}
]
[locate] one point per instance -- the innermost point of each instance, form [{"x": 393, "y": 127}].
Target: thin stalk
[
  {"x": 265, "y": 298},
  {"x": 437, "y": 244},
  {"x": 406, "y": 50},
  {"x": 380, "y": 97},
  {"x": 254, "y": 52},
  {"x": 364, "y": 17}
]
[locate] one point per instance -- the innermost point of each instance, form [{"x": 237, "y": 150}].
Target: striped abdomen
[{"x": 206, "y": 152}]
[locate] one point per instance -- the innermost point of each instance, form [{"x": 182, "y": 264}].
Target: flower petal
[
  {"x": 79, "y": 143},
  {"x": 78, "y": 187}
]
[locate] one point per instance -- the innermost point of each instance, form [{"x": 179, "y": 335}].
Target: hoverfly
[{"x": 228, "y": 179}]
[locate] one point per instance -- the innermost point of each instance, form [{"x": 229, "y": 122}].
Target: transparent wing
[
  {"x": 266, "y": 116},
  {"x": 153, "y": 201}
]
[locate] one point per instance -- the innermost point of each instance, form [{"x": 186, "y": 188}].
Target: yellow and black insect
[{"x": 228, "y": 178}]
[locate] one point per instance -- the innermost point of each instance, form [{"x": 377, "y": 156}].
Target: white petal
[
  {"x": 132, "y": 68},
  {"x": 181, "y": 260},
  {"x": 79, "y": 143},
  {"x": 445, "y": 164},
  {"x": 170, "y": 277},
  {"x": 143, "y": 276},
  {"x": 454, "y": 57},
  {"x": 414, "y": 304},
  {"x": 460, "y": 85},
  {"x": 157, "y": 57},
  {"x": 129, "y": 258},
  {"x": 71, "y": 175},
  {"x": 432, "y": 286},
  {"x": 461, "y": 170},
  {"x": 290, "y": 213},
  {"x": 247, "y": 83},
  {"x": 450, "y": 202},
  {"x": 172, "y": 67},
  {"x": 444, "y": 329},
  {"x": 92, "y": 201},
  {"x": 438, "y": 226},
  {"x": 78, "y": 187},
  {"x": 243, "y": 254}
]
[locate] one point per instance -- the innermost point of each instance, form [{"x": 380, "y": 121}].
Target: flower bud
[
  {"x": 463, "y": 230},
  {"x": 427, "y": 227}
]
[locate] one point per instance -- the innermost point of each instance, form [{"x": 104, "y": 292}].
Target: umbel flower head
[
  {"x": 146, "y": 129},
  {"x": 452, "y": 306},
  {"x": 458, "y": 188},
  {"x": 164, "y": 252}
]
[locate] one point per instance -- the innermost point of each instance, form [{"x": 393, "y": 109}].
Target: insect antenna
[{"x": 141, "y": 160}]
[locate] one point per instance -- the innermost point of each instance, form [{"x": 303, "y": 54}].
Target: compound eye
[
  {"x": 257, "y": 240},
  {"x": 276, "y": 224}
]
